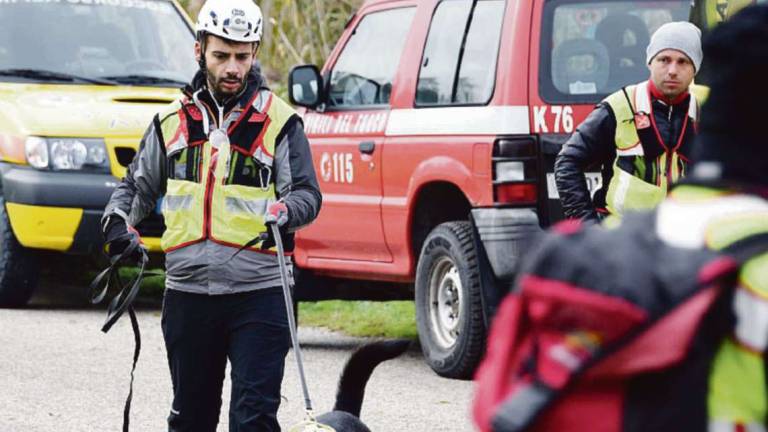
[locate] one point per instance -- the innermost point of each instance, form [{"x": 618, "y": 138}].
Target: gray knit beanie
[{"x": 679, "y": 35}]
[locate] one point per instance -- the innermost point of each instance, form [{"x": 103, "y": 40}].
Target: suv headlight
[
  {"x": 67, "y": 153},
  {"x": 36, "y": 150}
]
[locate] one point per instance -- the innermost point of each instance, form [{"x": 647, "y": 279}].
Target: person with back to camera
[{"x": 674, "y": 336}]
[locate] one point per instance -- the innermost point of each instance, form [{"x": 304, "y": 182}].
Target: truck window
[
  {"x": 458, "y": 67},
  {"x": 363, "y": 74},
  {"x": 591, "y": 49},
  {"x": 115, "y": 40}
]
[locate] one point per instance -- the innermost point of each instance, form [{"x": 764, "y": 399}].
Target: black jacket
[{"x": 593, "y": 147}]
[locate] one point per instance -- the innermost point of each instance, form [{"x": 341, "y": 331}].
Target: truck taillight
[
  {"x": 516, "y": 193},
  {"x": 515, "y": 170}
]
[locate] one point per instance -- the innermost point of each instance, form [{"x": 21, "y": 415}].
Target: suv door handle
[{"x": 367, "y": 147}]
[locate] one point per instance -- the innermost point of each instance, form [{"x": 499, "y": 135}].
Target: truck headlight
[
  {"x": 36, "y": 150},
  {"x": 67, "y": 153}
]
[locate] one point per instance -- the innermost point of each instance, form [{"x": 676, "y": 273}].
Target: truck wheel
[
  {"x": 18, "y": 272},
  {"x": 449, "y": 312}
]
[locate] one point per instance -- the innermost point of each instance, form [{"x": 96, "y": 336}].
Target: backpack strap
[
  {"x": 747, "y": 248},
  {"x": 521, "y": 408}
]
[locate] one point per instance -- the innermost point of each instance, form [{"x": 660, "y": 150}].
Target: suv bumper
[
  {"x": 60, "y": 211},
  {"x": 506, "y": 233}
]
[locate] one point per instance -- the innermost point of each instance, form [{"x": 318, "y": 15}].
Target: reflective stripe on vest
[
  {"x": 727, "y": 426},
  {"x": 752, "y": 323},
  {"x": 230, "y": 214},
  {"x": 626, "y": 191}
]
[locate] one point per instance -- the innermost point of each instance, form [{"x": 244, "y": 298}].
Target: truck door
[{"x": 346, "y": 140}]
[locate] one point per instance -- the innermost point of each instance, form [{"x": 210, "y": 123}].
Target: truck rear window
[{"x": 591, "y": 49}]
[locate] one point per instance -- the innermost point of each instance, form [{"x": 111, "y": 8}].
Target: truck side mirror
[{"x": 305, "y": 86}]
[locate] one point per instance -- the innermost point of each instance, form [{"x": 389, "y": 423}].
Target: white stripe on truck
[{"x": 483, "y": 120}]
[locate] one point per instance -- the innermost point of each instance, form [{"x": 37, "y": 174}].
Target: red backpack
[{"x": 608, "y": 331}]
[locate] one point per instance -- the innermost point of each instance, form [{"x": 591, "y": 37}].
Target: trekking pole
[{"x": 309, "y": 424}]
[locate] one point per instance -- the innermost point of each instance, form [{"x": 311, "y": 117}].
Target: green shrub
[{"x": 295, "y": 32}]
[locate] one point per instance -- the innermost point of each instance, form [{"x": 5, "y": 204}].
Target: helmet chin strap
[{"x": 202, "y": 39}]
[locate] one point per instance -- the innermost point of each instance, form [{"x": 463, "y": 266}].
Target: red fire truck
[{"x": 434, "y": 126}]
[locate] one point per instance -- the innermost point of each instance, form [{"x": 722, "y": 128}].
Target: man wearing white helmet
[{"x": 228, "y": 157}]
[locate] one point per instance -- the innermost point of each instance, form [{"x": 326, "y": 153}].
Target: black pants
[{"x": 201, "y": 332}]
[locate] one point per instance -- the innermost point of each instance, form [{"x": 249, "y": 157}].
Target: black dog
[{"x": 345, "y": 416}]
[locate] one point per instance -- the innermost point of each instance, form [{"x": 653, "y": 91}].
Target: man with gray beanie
[{"x": 640, "y": 137}]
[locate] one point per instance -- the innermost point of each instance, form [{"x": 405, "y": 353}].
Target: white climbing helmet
[{"x": 235, "y": 20}]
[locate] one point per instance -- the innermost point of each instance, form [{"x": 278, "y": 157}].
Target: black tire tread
[
  {"x": 474, "y": 346},
  {"x": 18, "y": 272}
]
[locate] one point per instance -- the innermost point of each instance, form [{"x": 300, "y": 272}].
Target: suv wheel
[
  {"x": 18, "y": 269},
  {"x": 449, "y": 311}
]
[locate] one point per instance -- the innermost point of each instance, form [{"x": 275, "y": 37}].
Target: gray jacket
[{"x": 207, "y": 267}]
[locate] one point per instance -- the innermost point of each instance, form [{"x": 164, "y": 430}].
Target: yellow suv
[{"x": 79, "y": 82}]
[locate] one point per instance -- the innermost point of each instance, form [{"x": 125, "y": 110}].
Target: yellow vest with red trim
[
  {"x": 627, "y": 191},
  {"x": 737, "y": 383},
  {"x": 737, "y": 392},
  {"x": 212, "y": 207}
]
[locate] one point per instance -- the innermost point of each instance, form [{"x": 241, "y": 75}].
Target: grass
[
  {"x": 391, "y": 319},
  {"x": 152, "y": 287}
]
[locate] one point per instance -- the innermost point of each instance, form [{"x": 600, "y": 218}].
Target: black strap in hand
[
  {"x": 125, "y": 297},
  {"x": 123, "y": 301}
]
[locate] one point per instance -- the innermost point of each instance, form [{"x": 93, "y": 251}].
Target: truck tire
[
  {"x": 18, "y": 270},
  {"x": 449, "y": 311}
]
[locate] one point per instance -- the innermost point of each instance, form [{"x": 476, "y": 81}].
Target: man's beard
[{"x": 223, "y": 96}]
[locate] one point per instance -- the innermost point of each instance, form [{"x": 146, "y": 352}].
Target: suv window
[
  {"x": 121, "y": 41},
  {"x": 591, "y": 49},
  {"x": 458, "y": 66},
  {"x": 366, "y": 66}
]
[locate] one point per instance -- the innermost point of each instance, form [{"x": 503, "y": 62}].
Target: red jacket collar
[{"x": 657, "y": 94}]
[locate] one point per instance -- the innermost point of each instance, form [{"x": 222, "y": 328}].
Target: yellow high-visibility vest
[
  {"x": 737, "y": 397},
  {"x": 630, "y": 191},
  {"x": 213, "y": 208},
  {"x": 737, "y": 388}
]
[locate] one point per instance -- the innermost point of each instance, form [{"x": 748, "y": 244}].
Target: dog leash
[
  {"x": 123, "y": 302},
  {"x": 309, "y": 424}
]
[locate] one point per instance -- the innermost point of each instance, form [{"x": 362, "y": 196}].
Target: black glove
[{"x": 117, "y": 236}]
